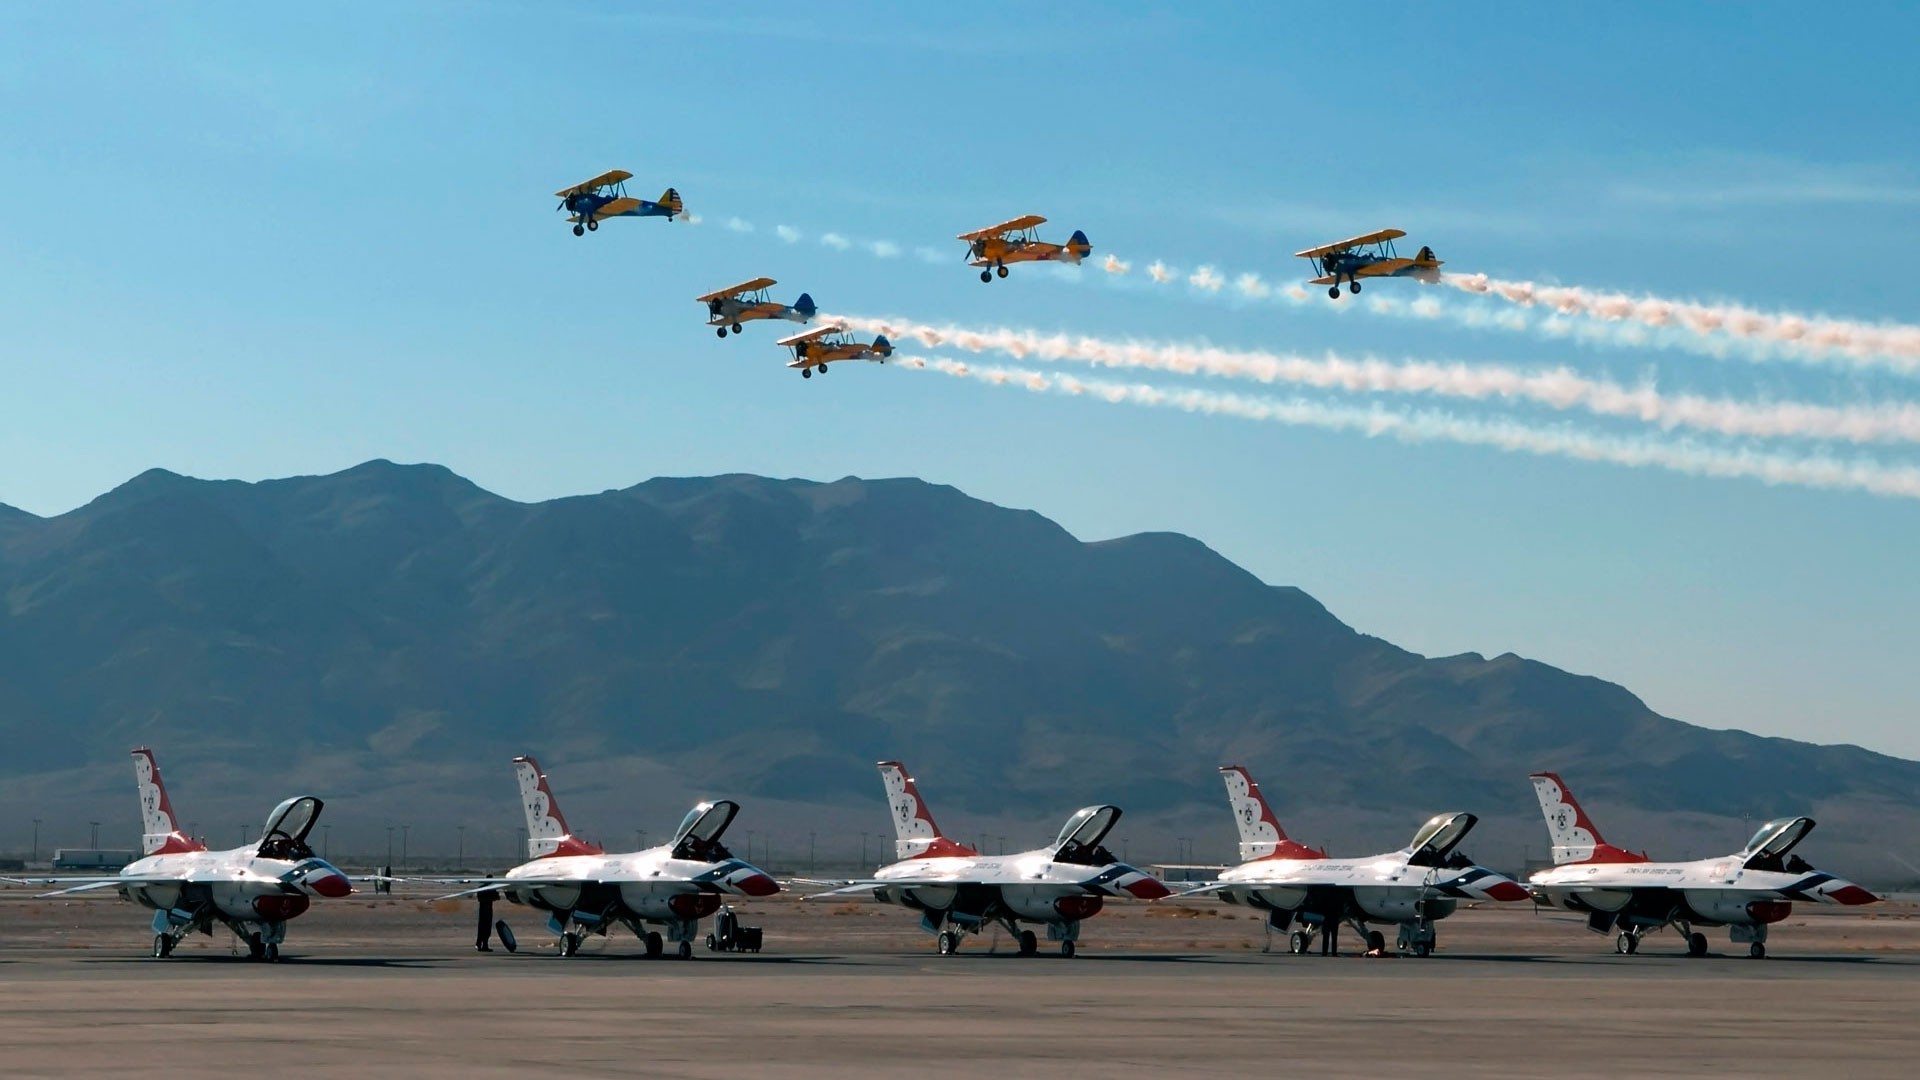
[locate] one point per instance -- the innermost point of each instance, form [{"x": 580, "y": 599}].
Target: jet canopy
[
  {"x": 1769, "y": 846},
  {"x": 1079, "y": 840},
  {"x": 698, "y": 837},
  {"x": 285, "y": 836},
  {"x": 1438, "y": 837}
]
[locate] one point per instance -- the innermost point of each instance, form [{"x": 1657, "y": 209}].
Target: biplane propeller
[
  {"x": 1016, "y": 241},
  {"x": 605, "y": 196},
  {"x": 747, "y": 301},
  {"x": 1367, "y": 256}
]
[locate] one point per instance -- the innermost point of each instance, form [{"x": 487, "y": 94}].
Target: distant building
[{"x": 70, "y": 858}]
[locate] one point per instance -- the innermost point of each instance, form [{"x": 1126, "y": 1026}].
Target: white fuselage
[
  {"x": 650, "y": 885},
  {"x": 1031, "y": 886},
  {"x": 1718, "y": 891},
  {"x": 239, "y": 885},
  {"x": 1384, "y": 887}
]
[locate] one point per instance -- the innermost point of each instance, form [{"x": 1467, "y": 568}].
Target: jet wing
[
  {"x": 1348, "y": 245},
  {"x": 852, "y": 887},
  {"x": 1018, "y": 224},
  {"x": 611, "y": 176},
  {"x": 744, "y": 287}
]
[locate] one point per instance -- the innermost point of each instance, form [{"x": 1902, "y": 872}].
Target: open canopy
[
  {"x": 699, "y": 834},
  {"x": 1439, "y": 836},
  {"x": 285, "y": 836},
  {"x": 1087, "y": 827},
  {"x": 1777, "y": 837}
]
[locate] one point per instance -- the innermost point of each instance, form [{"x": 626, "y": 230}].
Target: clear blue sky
[{"x": 246, "y": 243}]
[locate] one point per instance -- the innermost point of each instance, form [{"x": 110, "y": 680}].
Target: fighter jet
[
  {"x": 253, "y": 890},
  {"x": 585, "y": 891},
  {"x": 1627, "y": 892},
  {"x": 959, "y": 891},
  {"x": 1411, "y": 888}
]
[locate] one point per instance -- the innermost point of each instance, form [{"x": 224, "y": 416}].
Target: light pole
[
  {"x": 389, "y": 849},
  {"x": 36, "y": 839},
  {"x": 749, "y": 845},
  {"x": 460, "y": 860},
  {"x": 326, "y": 842},
  {"x": 809, "y": 853},
  {"x": 639, "y": 838},
  {"x": 193, "y": 829},
  {"x": 404, "y": 829},
  {"x": 863, "y": 848},
  {"x": 93, "y": 835}
]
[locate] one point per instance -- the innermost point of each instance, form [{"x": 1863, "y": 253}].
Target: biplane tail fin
[
  {"x": 670, "y": 199},
  {"x": 1078, "y": 247},
  {"x": 805, "y": 306},
  {"x": 881, "y": 346}
]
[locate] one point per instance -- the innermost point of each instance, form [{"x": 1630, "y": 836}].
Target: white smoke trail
[
  {"x": 1417, "y": 426},
  {"x": 836, "y": 241},
  {"x": 739, "y": 225},
  {"x": 1206, "y": 278},
  {"x": 1559, "y": 388},
  {"x": 1160, "y": 272},
  {"x": 884, "y": 249},
  {"x": 1113, "y": 265},
  {"x": 1893, "y": 346},
  {"x": 787, "y": 233}
]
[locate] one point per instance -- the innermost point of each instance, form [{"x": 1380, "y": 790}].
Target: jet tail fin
[
  {"x": 915, "y": 834},
  {"x": 547, "y": 832},
  {"x": 1574, "y": 837},
  {"x": 1261, "y": 836},
  {"x": 159, "y": 831}
]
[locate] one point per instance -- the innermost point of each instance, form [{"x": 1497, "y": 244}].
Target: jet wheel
[
  {"x": 655, "y": 946},
  {"x": 255, "y": 947},
  {"x": 1028, "y": 943},
  {"x": 1297, "y": 942},
  {"x": 579, "y": 231},
  {"x": 1696, "y": 944},
  {"x": 569, "y": 944},
  {"x": 162, "y": 946},
  {"x": 1422, "y": 950},
  {"x": 1334, "y": 292},
  {"x": 273, "y": 954},
  {"x": 1000, "y": 271},
  {"x": 1626, "y": 944},
  {"x": 986, "y": 277},
  {"x": 949, "y": 943},
  {"x": 1066, "y": 949},
  {"x": 1757, "y": 951},
  {"x": 686, "y": 950},
  {"x": 713, "y": 943},
  {"x": 1376, "y": 941}
]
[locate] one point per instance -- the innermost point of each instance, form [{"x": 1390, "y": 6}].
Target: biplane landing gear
[
  {"x": 1000, "y": 271},
  {"x": 593, "y": 226},
  {"x": 579, "y": 230},
  {"x": 986, "y": 277},
  {"x": 806, "y": 373},
  {"x": 722, "y": 331},
  {"x": 1333, "y": 292},
  {"x": 1353, "y": 286},
  {"x": 823, "y": 369},
  {"x": 736, "y": 328}
]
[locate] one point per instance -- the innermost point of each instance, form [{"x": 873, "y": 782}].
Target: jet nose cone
[
  {"x": 756, "y": 884},
  {"x": 328, "y": 882},
  {"x": 1851, "y": 894},
  {"x": 1509, "y": 892}
]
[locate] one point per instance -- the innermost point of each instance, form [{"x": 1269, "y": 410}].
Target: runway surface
[{"x": 383, "y": 987}]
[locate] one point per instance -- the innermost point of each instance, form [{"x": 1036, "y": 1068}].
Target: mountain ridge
[{"x": 773, "y": 638}]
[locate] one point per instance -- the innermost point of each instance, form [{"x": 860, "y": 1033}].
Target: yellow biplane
[
  {"x": 815, "y": 349},
  {"x": 748, "y": 301},
  {"x": 605, "y": 196},
  {"x": 992, "y": 248},
  {"x": 1366, "y": 256}
]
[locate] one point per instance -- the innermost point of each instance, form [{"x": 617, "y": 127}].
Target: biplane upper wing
[
  {"x": 811, "y": 335},
  {"x": 1016, "y": 225},
  {"x": 611, "y": 176},
  {"x": 1347, "y": 245},
  {"x": 744, "y": 287}
]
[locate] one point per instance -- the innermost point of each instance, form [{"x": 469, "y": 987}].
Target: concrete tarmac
[{"x": 392, "y": 987}]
